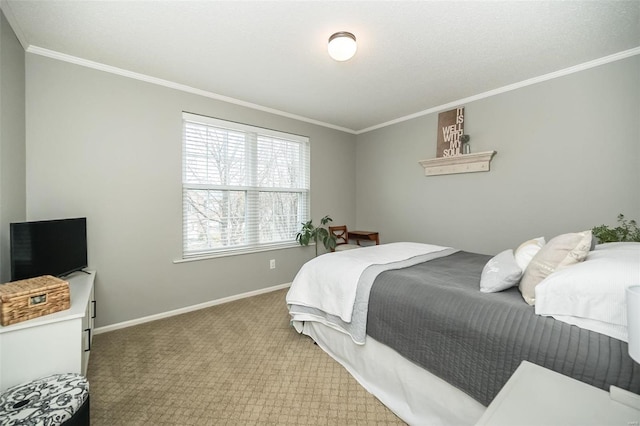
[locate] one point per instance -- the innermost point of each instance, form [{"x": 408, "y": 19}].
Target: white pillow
[
  {"x": 500, "y": 273},
  {"x": 525, "y": 251},
  {"x": 592, "y": 293},
  {"x": 560, "y": 252}
]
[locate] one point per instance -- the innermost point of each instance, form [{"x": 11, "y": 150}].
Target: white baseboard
[{"x": 186, "y": 309}]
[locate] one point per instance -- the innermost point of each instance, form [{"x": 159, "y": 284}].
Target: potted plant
[
  {"x": 309, "y": 232},
  {"x": 626, "y": 231}
]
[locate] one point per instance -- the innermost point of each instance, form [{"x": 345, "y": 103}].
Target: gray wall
[
  {"x": 12, "y": 139},
  {"x": 568, "y": 159},
  {"x": 109, "y": 148}
]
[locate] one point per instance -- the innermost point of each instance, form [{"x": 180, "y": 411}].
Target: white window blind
[{"x": 244, "y": 188}]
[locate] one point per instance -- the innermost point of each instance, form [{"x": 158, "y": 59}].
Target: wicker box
[{"x": 27, "y": 299}]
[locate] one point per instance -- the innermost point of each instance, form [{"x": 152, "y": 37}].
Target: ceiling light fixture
[{"x": 342, "y": 46}]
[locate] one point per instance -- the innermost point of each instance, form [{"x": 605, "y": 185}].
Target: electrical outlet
[{"x": 272, "y": 264}]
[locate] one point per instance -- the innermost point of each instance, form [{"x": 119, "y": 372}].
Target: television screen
[{"x": 50, "y": 247}]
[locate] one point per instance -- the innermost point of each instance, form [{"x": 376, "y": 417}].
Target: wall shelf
[{"x": 465, "y": 163}]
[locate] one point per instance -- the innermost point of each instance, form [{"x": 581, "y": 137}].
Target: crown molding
[
  {"x": 177, "y": 86},
  {"x": 550, "y": 76},
  {"x": 182, "y": 87}
]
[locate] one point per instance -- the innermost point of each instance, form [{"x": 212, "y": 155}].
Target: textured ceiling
[{"x": 412, "y": 56}]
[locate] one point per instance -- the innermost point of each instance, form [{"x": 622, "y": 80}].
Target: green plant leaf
[
  {"x": 325, "y": 220},
  {"x": 625, "y": 231},
  {"x": 309, "y": 232}
]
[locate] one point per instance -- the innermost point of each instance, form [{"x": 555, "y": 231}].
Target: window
[{"x": 244, "y": 188}]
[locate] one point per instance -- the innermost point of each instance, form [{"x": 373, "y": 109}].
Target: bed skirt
[{"x": 411, "y": 392}]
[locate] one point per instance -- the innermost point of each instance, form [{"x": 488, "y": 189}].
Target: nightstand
[{"x": 537, "y": 396}]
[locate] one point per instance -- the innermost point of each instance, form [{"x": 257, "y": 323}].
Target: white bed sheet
[
  {"x": 411, "y": 392},
  {"x": 315, "y": 284},
  {"x": 329, "y": 282}
]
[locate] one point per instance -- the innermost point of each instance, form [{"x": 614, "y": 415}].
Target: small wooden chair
[{"x": 342, "y": 238}]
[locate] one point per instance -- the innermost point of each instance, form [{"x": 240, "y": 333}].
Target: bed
[{"x": 418, "y": 327}]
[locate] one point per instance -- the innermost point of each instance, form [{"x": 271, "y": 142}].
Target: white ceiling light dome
[{"x": 342, "y": 46}]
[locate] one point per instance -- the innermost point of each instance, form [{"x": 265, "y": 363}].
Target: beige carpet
[{"x": 237, "y": 363}]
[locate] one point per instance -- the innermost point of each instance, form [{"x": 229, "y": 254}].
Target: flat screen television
[{"x": 49, "y": 247}]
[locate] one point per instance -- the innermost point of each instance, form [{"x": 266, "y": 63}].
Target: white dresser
[{"x": 54, "y": 343}]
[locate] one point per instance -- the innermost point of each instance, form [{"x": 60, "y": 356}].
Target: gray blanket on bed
[{"x": 434, "y": 314}]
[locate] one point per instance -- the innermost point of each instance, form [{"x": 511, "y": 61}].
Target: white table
[{"x": 537, "y": 396}]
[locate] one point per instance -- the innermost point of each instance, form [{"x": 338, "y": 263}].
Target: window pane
[
  {"x": 279, "y": 163},
  {"x": 214, "y": 219},
  {"x": 279, "y": 218},
  {"x": 214, "y": 156}
]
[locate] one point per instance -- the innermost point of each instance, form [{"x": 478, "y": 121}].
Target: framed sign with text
[{"x": 450, "y": 129}]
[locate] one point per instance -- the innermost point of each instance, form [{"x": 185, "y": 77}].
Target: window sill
[{"x": 207, "y": 256}]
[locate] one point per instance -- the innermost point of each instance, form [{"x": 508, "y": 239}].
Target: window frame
[{"x": 252, "y": 189}]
